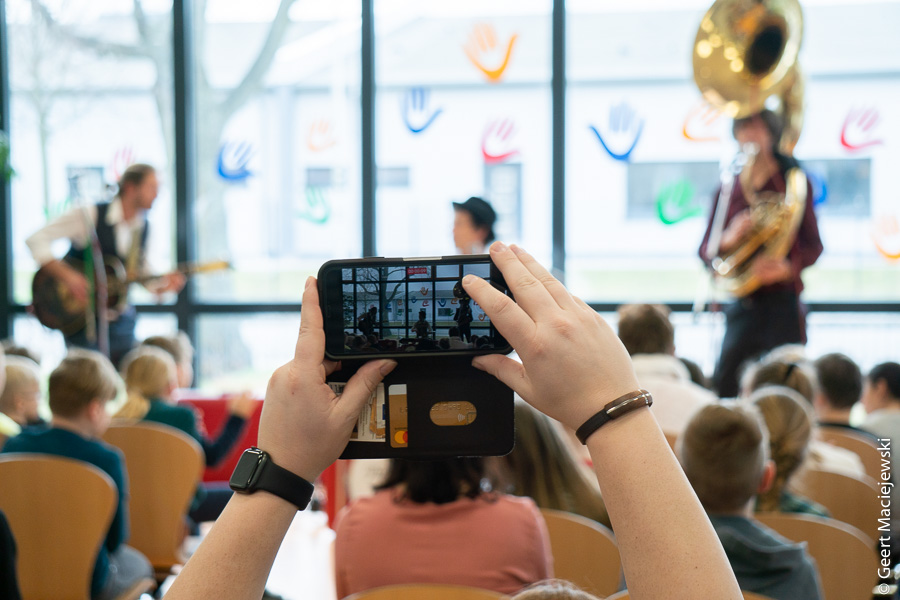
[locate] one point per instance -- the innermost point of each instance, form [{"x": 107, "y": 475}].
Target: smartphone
[{"x": 396, "y": 307}]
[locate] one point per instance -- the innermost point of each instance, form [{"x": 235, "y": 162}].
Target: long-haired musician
[
  {"x": 121, "y": 230},
  {"x": 771, "y": 315}
]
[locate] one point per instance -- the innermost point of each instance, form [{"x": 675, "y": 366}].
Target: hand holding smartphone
[{"x": 397, "y": 307}]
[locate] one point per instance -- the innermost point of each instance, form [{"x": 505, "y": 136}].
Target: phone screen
[{"x": 407, "y": 306}]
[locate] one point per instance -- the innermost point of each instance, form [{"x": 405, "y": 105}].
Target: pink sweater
[{"x": 496, "y": 542}]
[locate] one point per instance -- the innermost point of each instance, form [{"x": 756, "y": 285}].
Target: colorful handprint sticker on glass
[
  {"x": 676, "y": 202},
  {"x": 886, "y": 235},
  {"x": 486, "y": 54},
  {"x": 314, "y": 206},
  {"x": 233, "y": 161},
  {"x": 498, "y": 141},
  {"x": 416, "y": 109},
  {"x": 122, "y": 159},
  {"x": 320, "y": 136},
  {"x": 702, "y": 123},
  {"x": 623, "y": 132},
  {"x": 860, "y": 130}
]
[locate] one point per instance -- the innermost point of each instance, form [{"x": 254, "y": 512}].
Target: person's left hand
[
  {"x": 171, "y": 282},
  {"x": 770, "y": 270},
  {"x": 304, "y": 425}
]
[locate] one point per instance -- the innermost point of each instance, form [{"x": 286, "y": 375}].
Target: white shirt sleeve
[{"x": 72, "y": 224}]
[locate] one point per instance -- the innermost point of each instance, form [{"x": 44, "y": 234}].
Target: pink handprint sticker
[
  {"x": 122, "y": 159},
  {"x": 497, "y": 143},
  {"x": 860, "y": 129}
]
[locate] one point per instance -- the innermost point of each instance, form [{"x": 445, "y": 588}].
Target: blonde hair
[
  {"x": 20, "y": 371},
  {"x": 82, "y": 377},
  {"x": 542, "y": 467},
  {"x": 148, "y": 373},
  {"x": 553, "y": 589},
  {"x": 790, "y": 427},
  {"x": 723, "y": 453},
  {"x": 798, "y": 376}
]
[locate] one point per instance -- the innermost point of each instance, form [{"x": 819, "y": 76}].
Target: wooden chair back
[
  {"x": 747, "y": 596},
  {"x": 59, "y": 511},
  {"x": 584, "y": 552},
  {"x": 856, "y": 442},
  {"x": 164, "y": 469},
  {"x": 847, "y": 558},
  {"x": 849, "y": 499},
  {"x": 419, "y": 591}
]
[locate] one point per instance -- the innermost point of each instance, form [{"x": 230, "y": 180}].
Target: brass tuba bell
[{"x": 745, "y": 52}]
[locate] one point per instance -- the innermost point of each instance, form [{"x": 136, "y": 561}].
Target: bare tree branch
[
  {"x": 95, "y": 45},
  {"x": 240, "y": 94}
]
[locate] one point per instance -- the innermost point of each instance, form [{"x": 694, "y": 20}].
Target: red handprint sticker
[
  {"x": 320, "y": 136},
  {"x": 497, "y": 144},
  {"x": 481, "y": 48},
  {"x": 886, "y": 235},
  {"x": 860, "y": 129},
  {"x": 700, "y": 123},
  {"x": 122, "y": 159}
]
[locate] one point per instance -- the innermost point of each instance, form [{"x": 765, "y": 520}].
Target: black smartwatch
[{"x": 256, "y": 471}]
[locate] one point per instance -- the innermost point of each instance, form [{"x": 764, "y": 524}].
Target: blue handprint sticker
[
  {"x": 415, "y": 109},
  {"x": 233, "y": 161},
  {"x": 623, "y": 134}
]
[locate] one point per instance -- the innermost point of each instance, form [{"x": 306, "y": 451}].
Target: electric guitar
[{"x": 56, "y": 307}]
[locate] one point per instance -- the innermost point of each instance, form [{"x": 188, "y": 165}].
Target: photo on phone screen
[{"x": 413, "y": 306}]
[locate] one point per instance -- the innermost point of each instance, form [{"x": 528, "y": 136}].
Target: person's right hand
[
  {"x": 242, "y": 405},
  {"x": 573, "y": 363},
  {"x": 736, "y": 231},
  {"x": 77, "y": 283}
]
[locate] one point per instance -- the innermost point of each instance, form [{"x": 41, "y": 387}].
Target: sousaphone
[{"x": 745, "y": 53}]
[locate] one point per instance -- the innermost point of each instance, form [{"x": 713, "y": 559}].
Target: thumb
[
  {"x": 507, "y": 370},
  {"x": 360, "y": 387}
]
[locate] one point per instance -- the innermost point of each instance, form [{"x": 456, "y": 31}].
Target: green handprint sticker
[
  {"x": 315, "y": 207},
  {"x": 675, "y": 202}
]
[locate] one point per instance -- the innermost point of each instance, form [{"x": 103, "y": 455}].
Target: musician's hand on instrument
[
  {"x": 736, "y": 231},
  {"x": 171, "y": 282},
  {"x": 242, "y": 405},
  {"x": 770, "y": 270}
]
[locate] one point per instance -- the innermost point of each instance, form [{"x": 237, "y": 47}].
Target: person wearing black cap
[{"x": 473, "y": 226}]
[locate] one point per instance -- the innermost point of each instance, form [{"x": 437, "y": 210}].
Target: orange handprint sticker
[
  {"x": 700, "y": 123},
  {"x": 320, "y": 136},
  {"x": 482, "y": 50},
  {"x": 886, "y": 235}
]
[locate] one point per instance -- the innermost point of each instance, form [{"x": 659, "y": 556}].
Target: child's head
[
  {"x": 790, "y": 426},
  {"x": 724, "y": 453},
  {"x": 553, "y": 589},
  {"x": 646, "y": 329},
  {"x": 150, "y": 372},
  {"x": 19, "y": 399},
  {"x": 80, "y": 387},
  {"x": 794, "y": 375},
  {"x": 182, "y": 352},
  {"x": 840, "y": 382},
  {"x": 882, "y": 387}
]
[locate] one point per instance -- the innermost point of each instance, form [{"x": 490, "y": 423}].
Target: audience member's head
[
  {"x": 19, "y": 399},
  {"x": 11, "y": 348},
  {"x": 150, "y": 374},
  {"x": 794, "y": 375},
  {"x": 697, "y": 374},
  {"x": 437, "y": 481},
  {"x": 646, "y": 329},
  {"x": 80, "y": 387},
  {"x": 840, "y": 383},
  {"x": 795, "y": 353},
  {"x": 553, "y": 589},
  {"x": 882, "y": 387},
  {"x": 724, "y": 453},
  {"x": 454, "y": 332},
  {"x": 542, "y": 467},
  {"x": 790, "y": 426},
  {"x": 182, "y": 352}
]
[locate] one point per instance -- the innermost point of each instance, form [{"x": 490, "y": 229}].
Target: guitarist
[{"x": 121, "y": 227}]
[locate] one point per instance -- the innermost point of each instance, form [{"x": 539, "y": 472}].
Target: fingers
[
  {"x": 510, "y": 320},
  {"x": 556, "y": 289},
  {"x": 360, "y": 387},
  {"x": 507, "y": 370},
  {"x": 530, "y": 293},
  {"x": 310, "y": 348}
]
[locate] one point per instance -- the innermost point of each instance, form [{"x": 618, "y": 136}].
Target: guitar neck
[{"x": 188, "y": 270}]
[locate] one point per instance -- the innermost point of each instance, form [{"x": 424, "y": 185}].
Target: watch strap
[
  {"x": 285, "y": 484},
  {"x": 613, "y": 410}
]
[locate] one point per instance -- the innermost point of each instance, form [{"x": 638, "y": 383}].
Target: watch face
[{"x": 245, "y": 472}]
